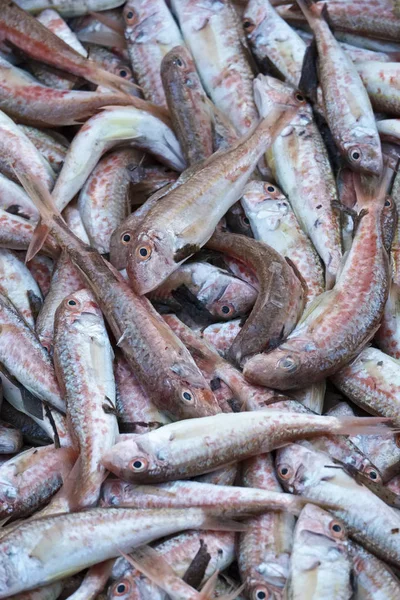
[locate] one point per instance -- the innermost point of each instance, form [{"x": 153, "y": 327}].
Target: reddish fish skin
[
  {"x": 346, "y": 317},
  {"x": 188, "y": 104},
  {"x": 280, "y": 299},
  {"x": 16, "y": 234},
  {"x": 41, "y": 268}
]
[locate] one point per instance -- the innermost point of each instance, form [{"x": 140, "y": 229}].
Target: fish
[
  {"x": 380, "y": 80},
  {"x": 160, "y": 361},
  {"x": 214, "y": 36},
  {"x": 46, "y": 592},
  {"x": 25, "y": 32},
  {"x": 371, "y": 381},
  {"x": 33, "y": 540},
  {"x": 52, "y": 148},
  {"x": 41, "y": 267},
  {"x": 16, "y": 233},
  {"x": 150, "y": 32},
  {"x": 69, "y": 8},
  {"x": 186, "y": 449},
  {"x": 109, "y": 179},
  {"x": 103, "y": 131},
  {"x": 280, "y": 300},
  {"x": 300, "y": 163},
  {"x": 320, "y": 563},
  {"x": 32, "y": 433},
  {"x": 310, "y": 473},
  {"x": 273, "y": 40},
  {"x": 221, "y": 294},
  {"x": 188, "y": 105},
  {"x": 110, "y": 61},
  {"x": 372, "y": 576},
  {"x": 83, "y": 359},
  {"x": 15, "y": 201},
  {"x": 18, "y": 285},
  {"x": 265, "y": 547},
  {"x": 348, "y": 110},
  {"x": 94, "y": 581},
  {"x": 42, "y": 106},
  {"x": 193, "y": 209},
  {"x": 54, "y": 22},
  {"x": 319, "y": 346},
  {"x": 10, "y": 439},
  {"x": 274, "y": 223},
  {"x": 107, "y": 32}
]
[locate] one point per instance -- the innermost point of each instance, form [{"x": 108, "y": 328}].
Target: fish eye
[
  {"x": 225, "y": 309},
  {"x": 284, "y": 472},
  {"x": 138, "y": 465},
  {"x": 126, "y": 238},
  {"x": 122, "y": 587},
  {"x": 355, "y": 154},
  {"x": 260, "y": 593},
  {"x": 336, "y": 529},
  {"x": 299, "y": 97},
  {"x": 72, "y": 303},
  {"x": 187, "y": 396},
  {"x": 143, "y": 252},
  {"x": 388, "y": 202},
  {"x": 123, "y": 73},
  {"x": 372, "y": 473},
  {"x": 130, "y": 15},
  {"x": 245, "y": 221},
  {"x": 178, "y": 62},
  {"x": 248, "y": 25},
  {"x": 288, "y": 364},
  {"x": 271, "y": 189}
]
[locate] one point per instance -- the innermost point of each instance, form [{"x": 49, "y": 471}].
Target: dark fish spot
[
  {"x": 319, "y": 206},
  {"x": 396, "y": 530},
  {"x": 380, "y": 363},
  {"x": 234, "y": 404},
  {"x": 317, "y": 223},
  {"x": 15, "y": 209},
  {"x": 185, "y": 251},
  {"x": 302, "y": 133},
  {"x": 215, "y": 384}
]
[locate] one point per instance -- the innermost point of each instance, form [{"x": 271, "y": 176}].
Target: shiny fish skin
[
  {"x": 41, "y": 267},
  {"x": 51, "y": 19},
  {"x": 272, "y": 39},
  {"x": 372, "y": 381},
  {"x": 188, "y": 105},
  {"x": 10, "y": 439},
  {"x": 320, "y": 563},
  {"x": 101, "y": 133},
  {"x": 274, "y": 223},
  {"x": 14, "y": 200},
  {"x": 50, "y": 147},
  {"x": 89, "y": 537},
  {"x": 17, "y": 283},
  {"x": 373, "y": 579},
  {"x": 104, "y": 201},
  {"x": 16, "y": 234},
  {"x": 264, "y": 549},
  {"x": 150, "y": 32},
  {"x": 301, "y": 165},
  {"x": 214, "y": 36},
  {"x": 185, "y": 219},
  {"x": 348, "y": 110},
  {"x": 309, "y": 473},
  {"x": 320, "y": 344},
  {"x": 69, "y": 8},
  {"x": 381, "y": 82},
  {"x": 186, "y": 449},
  {"x": 83, "y": 358}
]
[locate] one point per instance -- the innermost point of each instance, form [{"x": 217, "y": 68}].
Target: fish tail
[
  {"x": 371, "y": 188},
  {"x": 232, "y": 595},
  {"x": 311, "y": 10},
  {"x": 43, "y": 201},
  {"x": 362, "y": 426}
]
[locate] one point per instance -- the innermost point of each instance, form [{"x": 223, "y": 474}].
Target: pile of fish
[{"x": 199, "y": 299}]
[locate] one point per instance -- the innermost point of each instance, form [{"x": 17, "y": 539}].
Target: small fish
[
  {"x": 151, "y": 32},
  {"x": 320, "y": 564},
  {"x": 188, "y": 105},
  {"x": 185, "y": 219},
  {"x": 373, "y": 578},
  {"x": 186, "y": 449},
  {"x": 379, "y": 80}
]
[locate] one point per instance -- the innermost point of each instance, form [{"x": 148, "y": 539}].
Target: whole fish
[
  {"x": 320, "y": 564},
  {"x": 348, "y": 110},
  {"x": 18, "y": 154},
  {"x": 372, "y": 381},
  {"x": 381, "y": 82},
  {"x": 186, "y": 449},
  {"x": 24, "y": 357},
  {"x": 31, "y": 477},
  {"x": 185, "y": 219},
  {"x": 69, "y": 8},
  {"x": 274, "y": 223},
  {"x": 10, "y": 439},
  {"x": 188, "y": 105},
  {"x": 27, "y": 33},
  {"x": 265, "y": 547},
  {"x": 83, "y": 357},
  {"x": 323, "y": 342},
  {"x": 101, "y": 133},
  {"x": 110, "y": 179},
  {"x": 33, "y": 541},
  {"x": 221, "y": 294},
  {"x": 273, "y": 40},
  {"x": 17, "y": 283},
  {"x": 136, "y": 412},
  {"x": 160, "y": 361},
  {"x": 373, "y": 578},
  {"x": 280, "y": 300},
  {"x": 52, "y": 148},
  {"x": 299, "y": 159},
  {"x": 43, "y": 106},
  {"x": 214, "y": 36},
  {"x": 151, "y": 32},
  {"x": 310, "y": 473}
]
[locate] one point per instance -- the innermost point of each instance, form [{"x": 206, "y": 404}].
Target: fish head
[
  {"x": 228, "y": 297},
  {"x": 125, "y": 588},
  {"x": 365, "y": 156},
  {"x": 254, "y": 15},
  {"x": 270, "y": 92},
  {"x": 294, "y": 467},
  {"x": 152, "y": 257},
  {"x": 314, "y": 521},
  {"x": 264, "y": 203},
  {"x": 119, "y": 245},
  {"x": 80, "y": 308},
  {"x": 178, "y": 65},
  {"x": 192, "y": 396},
  {"x": 130, "y": 462},
  {"x": 114, "y": 492}
]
